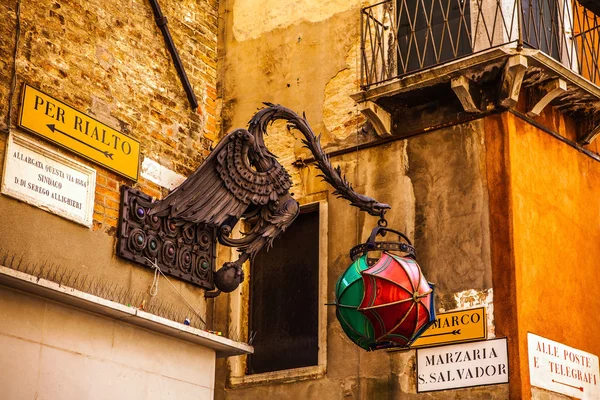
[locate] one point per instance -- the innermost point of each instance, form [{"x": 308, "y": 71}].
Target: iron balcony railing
[{"x": 399, "y": 37}]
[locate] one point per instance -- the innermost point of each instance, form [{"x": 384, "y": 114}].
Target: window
[
  {"x": 283, "y": 300},
  {"x": 284, "y": 292}
]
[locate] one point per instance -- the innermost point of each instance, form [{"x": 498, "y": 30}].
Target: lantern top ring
[{"x": 403, "y": 244}]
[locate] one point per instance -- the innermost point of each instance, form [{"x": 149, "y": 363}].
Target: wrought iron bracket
[
  {"x": 241, "y": 178},
  {"x": 185, "y": 251}
]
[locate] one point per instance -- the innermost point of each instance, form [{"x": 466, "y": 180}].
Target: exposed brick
[
  {"x": 99, "y": 51},
  {"x": 111, "y": 222},
  {"x": 100, "y": 180},
  {"x": 109, "y": 203},
  {"x": 98, "y": 208},
  {"x": 96, "y": 225},
  {"x": 103, "y": 191},
  {"x": 112, "y": 184},
  {"x": 111, "y": 213}
]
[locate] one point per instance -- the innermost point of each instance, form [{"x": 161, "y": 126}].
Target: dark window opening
[
  {"x": 284, "y": 291},
  {"x": 432, "y": 32}
]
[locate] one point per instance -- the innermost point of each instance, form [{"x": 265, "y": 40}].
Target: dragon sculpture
[{"x": 241, "y": 178}]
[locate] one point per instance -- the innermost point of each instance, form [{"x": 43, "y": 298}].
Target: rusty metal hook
[{"x": 382, "y": 221}]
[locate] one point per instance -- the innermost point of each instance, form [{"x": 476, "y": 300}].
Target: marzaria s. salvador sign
[
  {"x": 462, "y": 365},
  {"x": 78, "y": 132}
]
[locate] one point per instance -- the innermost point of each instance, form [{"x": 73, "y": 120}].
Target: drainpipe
[{"x": 161, "y": 21}]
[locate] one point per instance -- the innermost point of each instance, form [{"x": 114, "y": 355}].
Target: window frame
[{"x": 239, "y": 313}]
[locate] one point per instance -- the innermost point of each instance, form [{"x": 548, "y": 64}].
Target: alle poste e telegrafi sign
[
  {"x": 67, "y": 127},
  {"x": 559, "y": 368},
  {"x": 462, "y": 365}
]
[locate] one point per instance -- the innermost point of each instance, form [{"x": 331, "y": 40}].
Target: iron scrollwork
[
  {"x": 241, "y": 178},
  {"x": 186, "y": 252}
]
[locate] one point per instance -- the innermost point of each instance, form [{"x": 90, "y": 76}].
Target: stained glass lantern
[
  {"x": 386, "y": 301},
  {"x": 349, "y": 292}
]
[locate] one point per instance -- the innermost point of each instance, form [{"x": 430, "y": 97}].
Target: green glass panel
[{"x": 349, "y": 292}]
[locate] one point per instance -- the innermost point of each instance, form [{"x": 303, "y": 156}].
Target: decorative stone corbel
[
  {"x": 590, "y": 136},
  {"x": 467, "y": 93},
  {"x": 381, "y": 119},
  {"x": 512, "y": 78},
  {"x": 543, "y": 94},
  {"x": 590, "y": 131}
]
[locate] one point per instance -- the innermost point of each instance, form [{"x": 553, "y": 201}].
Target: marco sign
[
  {"x": 455, "y": 327},
  {"x": 462, "y": 365}
]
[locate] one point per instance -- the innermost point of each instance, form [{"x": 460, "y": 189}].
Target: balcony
[{"x": 402, "y": 37}]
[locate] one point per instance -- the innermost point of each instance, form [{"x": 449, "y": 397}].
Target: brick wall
[{"x": 108, "y": 58}]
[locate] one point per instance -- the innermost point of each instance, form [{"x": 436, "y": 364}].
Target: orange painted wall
[
  {"x": 553, "y": 222},
  {"x": 587, "y": 40}
]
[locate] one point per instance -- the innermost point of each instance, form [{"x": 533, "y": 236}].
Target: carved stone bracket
[
  {"x": 589, "y": 131},
  {"x": 184, "y": 251},
  {"x": 467, "y": 92},
  {"x": 543, "y": 94},
  {"x": 512, "y": 79},
  {"x": 381, "y": 119}
]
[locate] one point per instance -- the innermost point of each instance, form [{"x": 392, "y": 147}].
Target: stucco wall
[
  {"x": 556, "y": 228},
  {"x": 544, "y": 230},
  {"x": 305, "y": 55},
  {"x": 51, "y": 351},
  {"x": 436, "y": 182}
]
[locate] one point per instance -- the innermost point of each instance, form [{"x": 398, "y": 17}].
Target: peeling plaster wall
[
  {"x": 251, "y": 21},
  {"x": 293, "y": 67},
  {"x": 436, "y": 186},
  {"x": 305, "y": 55},
  {"x": 391, "y": 174},
  {"x": 447, "y": 168}
]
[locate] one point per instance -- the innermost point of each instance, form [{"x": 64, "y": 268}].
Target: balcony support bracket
[
  {"x": 591, "y": 133},
  {"x": 512, "y": 78},
  {"x": 467, "y": 92},
  {"x": 381, "y": 119},
  {"x": 543, "y": 94}
]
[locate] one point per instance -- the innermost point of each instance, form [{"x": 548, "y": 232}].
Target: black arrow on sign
[
  {"x": 454, "y": 332},
  {"x": 106, "y": 153},
  {"x": 566, "y": 384}
]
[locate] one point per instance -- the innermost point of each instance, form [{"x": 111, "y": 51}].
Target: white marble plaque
[
  {"x": 562, "y": 369},
  {"x": 49, "y": 180},
  {"x": 462, "y": 365}
]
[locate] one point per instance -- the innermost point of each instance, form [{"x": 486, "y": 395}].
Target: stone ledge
[
  {"x": 478, "y": 63},
  {"x": 479, "y": 66},
  {"x": 283, "y": 376},
  {"x": 223, "y": 347}
]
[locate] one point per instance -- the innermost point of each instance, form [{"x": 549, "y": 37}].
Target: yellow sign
[
  {"x": 78, "y": 132},
  {"x": 454, "y": 327}
]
